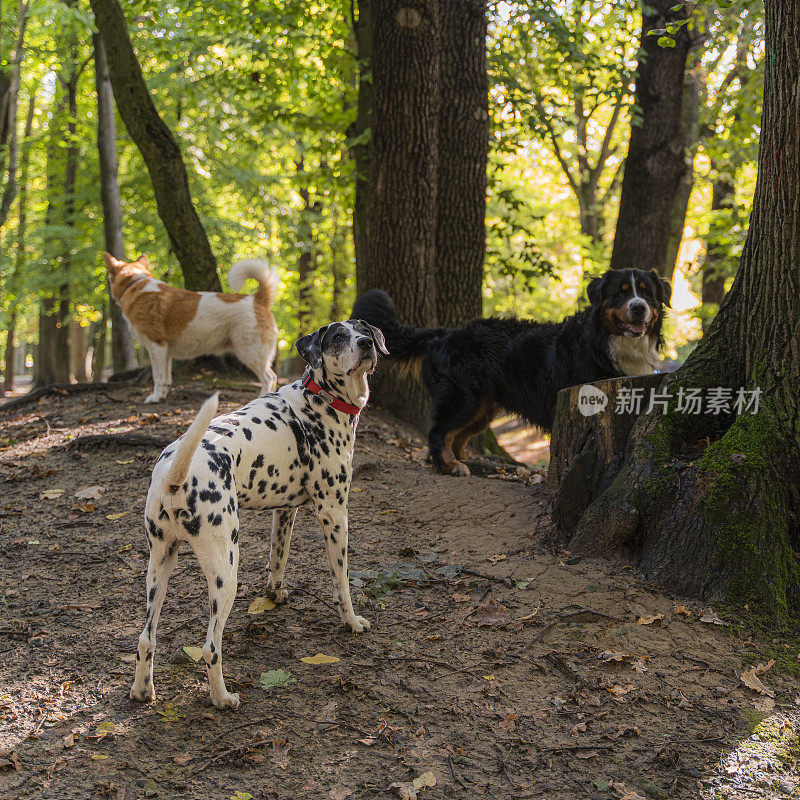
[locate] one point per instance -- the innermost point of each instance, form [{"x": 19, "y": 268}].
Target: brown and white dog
[{"x": 177, "y": 323}]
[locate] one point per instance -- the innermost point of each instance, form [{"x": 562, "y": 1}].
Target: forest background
[{"x": 263, "y": 99}]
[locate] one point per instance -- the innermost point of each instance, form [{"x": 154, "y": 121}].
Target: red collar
[{"x": 332, "y": 401}]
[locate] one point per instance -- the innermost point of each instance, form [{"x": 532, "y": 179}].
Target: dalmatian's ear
[
  {"x": 377, "y": 337},
  {"x": 310, "y": 347}
]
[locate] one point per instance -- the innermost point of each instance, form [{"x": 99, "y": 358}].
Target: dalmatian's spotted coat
[{"x": 281, "y": 451}]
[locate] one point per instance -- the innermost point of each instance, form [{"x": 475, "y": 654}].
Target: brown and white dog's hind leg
[
  {"x": 257, "y": 357},
  {"x": 333, "y": 521},
  {"x": 282, "y": 524},
  {"x": 218, "y": 554},
  {"x": 163, "y": 556}
]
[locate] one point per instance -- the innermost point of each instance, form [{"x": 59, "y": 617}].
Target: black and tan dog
[{"x": 474, "y": 371}]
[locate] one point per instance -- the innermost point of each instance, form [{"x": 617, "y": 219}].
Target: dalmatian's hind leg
[
  {"x": 334, "y": 526},
  {"x": 218, "y": 554},
  {"x": 163, "y": 557},
  {"x": 282, "y": 524}
]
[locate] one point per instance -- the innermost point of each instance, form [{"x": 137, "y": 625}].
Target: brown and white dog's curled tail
[
  {"x": 189, "y": 443},
  {"x": 259, "y": 270}
]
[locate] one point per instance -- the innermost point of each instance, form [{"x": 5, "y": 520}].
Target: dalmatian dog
[{"x": 283, "y": 450}]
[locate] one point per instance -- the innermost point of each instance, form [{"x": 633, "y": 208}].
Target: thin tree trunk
[
  {"x": 361, "y": 136},
  {"x": 401, "y": 218},
  {"x": 78, "y": 345},
  {"x": 462, "y": 158},
  {"x": 339, "y": 268},
  {"x": 8, "y": 128},
  {"x": 9, "y": 354},
  {"x": 123, "y": 355},
  {"x": 709, "y": 503},
  {"x": 159, "y": 149},
  {"x": 99, "y": 334},
  {"x": 723, "y": 203},
  {"x": 695, "y": 95},
  {"x": 19, "y": 261},
  {"x": 306, "y": 263},
  {"x": 656, "y": 162},
  {"x": 62, "y": 344}
]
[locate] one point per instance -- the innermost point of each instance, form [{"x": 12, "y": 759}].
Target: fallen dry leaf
[
  {"x": 319, "y": 658},
  {"x": 762, "y": 668},
  {"x": 464, "y": 598},
  {"x": 194, "y": 652},
  {"x": 119, "y": 515},
  {"x": 50, "y": 494},
  {"x": 682, "y": 610},
  {"x": 260, "y": 605},
  {"x": 712, "y": 618},
  {"x": 751, "y": 680},
  {"x": 90, "y": 492},
  {"x": 649, "y": 619},
  {"x": 280, "y": 753},
  {"x": 426, "y": 779},
  {"x": 613, "y": 655},
  {"x": 104, "y": 728},
  {"x": 584, "y": 754}
]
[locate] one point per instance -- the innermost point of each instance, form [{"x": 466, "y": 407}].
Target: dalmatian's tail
[{"x": 189, "y": 443}]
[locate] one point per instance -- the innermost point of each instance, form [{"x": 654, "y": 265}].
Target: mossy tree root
[{"x": 720, "y": 525}]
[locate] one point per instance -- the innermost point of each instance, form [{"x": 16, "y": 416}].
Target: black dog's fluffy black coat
[{"x": 473, "y": 371}]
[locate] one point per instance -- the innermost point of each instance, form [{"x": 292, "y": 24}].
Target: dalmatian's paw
[
  {"x": 226, "y": 700},
  {"x": 357, "y": 624},
  {"x": 153, "y": 398},
  {"x": 144, "y": 694},
  {"x": 279, "y": 596}
]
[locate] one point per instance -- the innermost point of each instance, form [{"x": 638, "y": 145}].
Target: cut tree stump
[{"x": 588, "y": 442}]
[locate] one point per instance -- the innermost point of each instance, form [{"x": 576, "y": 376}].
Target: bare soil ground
[{"x": 497, "y": 665}]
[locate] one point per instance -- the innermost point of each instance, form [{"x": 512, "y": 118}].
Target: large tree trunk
[
  {"x": 123, "y": 355},
  {"x": 463, "y": 154},
  {"x": 656, "y": 161},
  {"x": 401, "y": 217},
  {"x": 710, "y": 504},
  {"x": 159, "y": 150},
  {"x": 361, "y": 136}
]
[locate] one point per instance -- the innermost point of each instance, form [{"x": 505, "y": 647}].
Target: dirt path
[{"x": 496, "y": 667}]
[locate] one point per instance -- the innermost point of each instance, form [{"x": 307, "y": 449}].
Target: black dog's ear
[
  {"x": 310, "y": 347},
  {"x": 594, "y": 288},
  {"x": 663, "y": 289},
  {"x": 377, "y": 337}
]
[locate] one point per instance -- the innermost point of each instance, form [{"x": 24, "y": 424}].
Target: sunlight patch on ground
[{"x": 763, "y": 765}]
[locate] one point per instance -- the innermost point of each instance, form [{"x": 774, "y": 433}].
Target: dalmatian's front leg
[
  {"x": 282, "y": 523},
  {"x": 333, "y": 521}
]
